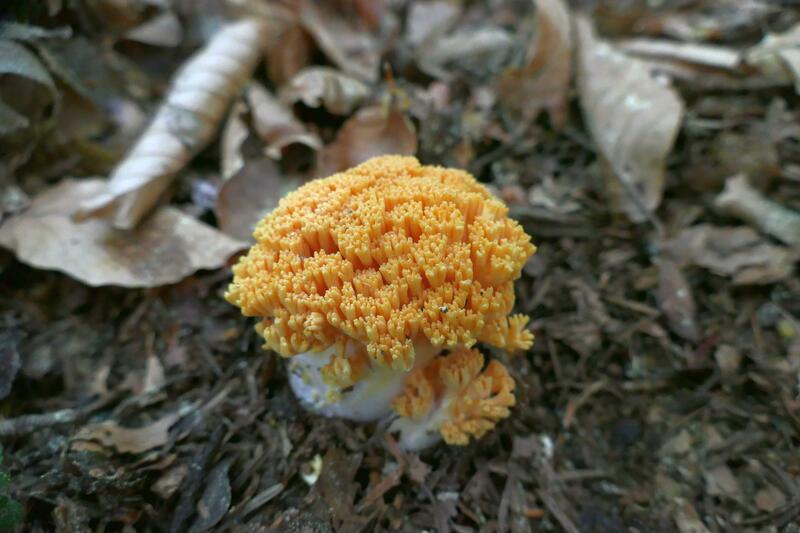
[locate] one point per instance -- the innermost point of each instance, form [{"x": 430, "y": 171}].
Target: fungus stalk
[{"x": 376, "y": 282}]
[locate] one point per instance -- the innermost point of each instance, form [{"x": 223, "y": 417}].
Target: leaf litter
[{"x": 662, "y": 391}]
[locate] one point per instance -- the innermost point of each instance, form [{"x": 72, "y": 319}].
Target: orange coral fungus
[{"x": 365, "y": 276}]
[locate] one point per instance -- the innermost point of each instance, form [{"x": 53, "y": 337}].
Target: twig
[
  {"x": 559, "y": 513},
  {"x": 22, "y": 425}
]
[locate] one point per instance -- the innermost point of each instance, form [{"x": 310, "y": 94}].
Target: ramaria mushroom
[{"x": 376, "y": 282}]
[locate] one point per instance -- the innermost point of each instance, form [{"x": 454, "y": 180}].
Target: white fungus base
[
  {"x": 368, "y": 400},
  {"x": 416, "y": 434}
]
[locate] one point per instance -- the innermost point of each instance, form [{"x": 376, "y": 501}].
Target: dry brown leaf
[
  {"x": 345, "y": 41},
  {"x": 633, "y": 118},
  {"x": 543, "y": 81},
  {"x": 323, "y": 86},
  {"x": 184, "y": 124},
  {"x": 742, "y": 200},
  {"x": 250, "y": 194},
  {"x": 128, "y": 440},
  {"x": 687, "y": 519},
  {"x": 676, "y": 301},
  {"x": 374, "y": 130},
  {"x": 736, "y": 252},
  {"x": 275, "y": 123},
  {"x": 777, "y": 56},
  {"x": 288, "y": 51},
  {"x": 165, "y": 248}
]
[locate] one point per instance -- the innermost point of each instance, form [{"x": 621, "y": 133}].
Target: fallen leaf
[
  {"x": 676, "y": 301},
  {"x": 170, "y": 481},
  {"x": 372, "y": 131},
  {"x": 743, "y": 201},
  {"x": 10, "y": 120},
  {"x": 769, "y": 499},
  {"x": 28, "y": 96},
  {"x": 477, "y": 52},
  {"x": 288, "y": 51},
  {"x": 736, "y": 252},
  {"x": 250, "y": 194},
  {"x": 687, "y": 519},
  {"x": 216, "y": 498},
  {"x": 633, "y": 119},
  {"x": 275, "y": 123},
  {"x": 344, "y": 40},
  {"x": 164, "y": 29},
  {"x": 428, "y": 20},
  {"x": 555, "y": 196},
  {"x": 184, "y": 124},
  {"x": 728, "y": 359},
  {"x": 336, "y": 485},
  {"x": 153, "y": 375},
  {"x": 777, "y": 56},
  {"x": 416, "y": 469},
  {"x": 128, "y": 440},
  {"x": 323, "y": 86},
  {"x": 17, "y": 60},
  {"x": 234, "y": 133},
  {"x": 543, "y": 81},
  {"x": 167, "y": 247},
  {"x": 720, "y": 481}
]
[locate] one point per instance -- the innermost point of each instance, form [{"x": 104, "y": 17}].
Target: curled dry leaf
[
  {"x": 676, "y": 301},
  {"x": 26, "y": 94},
  {"x": 374, "y": 130},
  {"x": 128, "y": 440},
  {"x": 165, "y": 248},
  {"x": 288, "y": 50},
  {"x": 777, "y": 56},
  {"x": 323, "y": 86},
  {"x": 248, "y": 195},
  {"x": 275, "y": 123},
  {"x": 184, "y": 124},
  {"x": 234, "y": 134},
  {"x": 736, "y": 252},
  {"x": 543, "y": 81},
  {"x": 345, "y": 41},
  {"x": 633, "y": 119},
  {"x": 741, "y": 200}
]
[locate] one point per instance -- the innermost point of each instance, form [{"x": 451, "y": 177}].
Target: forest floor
[{"x": 652, "y": 150}]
